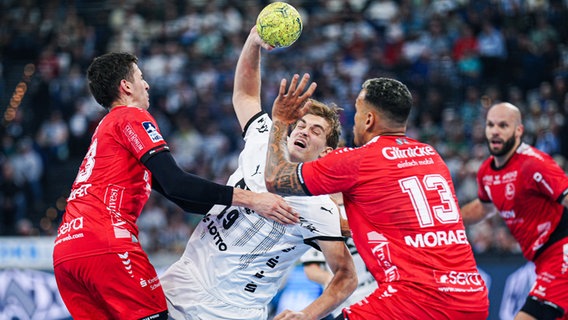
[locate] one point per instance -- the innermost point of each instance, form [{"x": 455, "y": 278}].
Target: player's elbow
[{"x": 351, "y": 282}]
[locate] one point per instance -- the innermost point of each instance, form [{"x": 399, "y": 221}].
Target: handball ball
[{"x": 279, "y": 24}]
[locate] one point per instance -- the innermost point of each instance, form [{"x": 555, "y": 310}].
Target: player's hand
[
  {"x": 256, "y": 39},
  {"x": 293, "y": 103},
  {"x": 274, "y": 207},
  {"x": 292, "y": 315}
]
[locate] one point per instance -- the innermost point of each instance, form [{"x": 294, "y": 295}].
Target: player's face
[
  {"x": 501, "y": 132},
  {"x": 140, "y": 89},
  {"x": 307, "y": 141}
]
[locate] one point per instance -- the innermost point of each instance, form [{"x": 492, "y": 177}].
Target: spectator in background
[
  {"x": 53, "y": 137},
  {"x": 492, "y": 51},
  {"x": 12, "y": 200},
  {"x": 28, "y": 169}
]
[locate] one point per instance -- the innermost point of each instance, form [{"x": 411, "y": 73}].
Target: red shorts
[
  {"x": 396, "y": 301},
  {"x": 110, "y": 286},
  {"x": 551, "y": 269}
]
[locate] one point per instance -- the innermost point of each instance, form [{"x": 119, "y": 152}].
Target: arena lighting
[{"x": 18, "y": 95}]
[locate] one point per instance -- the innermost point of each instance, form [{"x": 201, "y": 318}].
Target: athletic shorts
[
  {"x": 188, "y": 299},
  {"x": 111, "y": 286},
  {"x": 551, "y": 269},
  {"x": 396, "y": 301}
]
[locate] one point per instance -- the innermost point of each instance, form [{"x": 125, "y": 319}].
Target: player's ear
[
  {"x": 125, "y": 86},
  {"x": 325, "y": 151},
  {"x": 370, "y": 120},
  {"x": 519, "y": 130}
]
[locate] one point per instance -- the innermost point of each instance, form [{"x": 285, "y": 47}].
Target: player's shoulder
[{"x": 259, "y": 123}]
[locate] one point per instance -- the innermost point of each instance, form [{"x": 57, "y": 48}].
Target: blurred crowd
[{"x": 458, "y": 57}]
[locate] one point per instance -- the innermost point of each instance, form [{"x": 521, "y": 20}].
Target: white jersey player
[{"x": 236, "y": 260}]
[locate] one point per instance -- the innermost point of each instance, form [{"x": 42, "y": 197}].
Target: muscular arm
[
  {"x": 476, "y": 211},
  {"x": 341, "y": 286},
  {"x": 246, "y": 92},
  {"x": 196, "y": 193}
]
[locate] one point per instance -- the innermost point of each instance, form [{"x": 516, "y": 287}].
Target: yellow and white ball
[{"x": 279, "y": 24}]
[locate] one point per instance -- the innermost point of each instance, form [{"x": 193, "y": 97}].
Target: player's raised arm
[{"x": 246, "y": 94}]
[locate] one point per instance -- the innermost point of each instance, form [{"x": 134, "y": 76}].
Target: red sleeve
[
  {"x": 139, "y": 133},
  {"x": 336, "y": 172},
  {"x": 546, "y": 177}
]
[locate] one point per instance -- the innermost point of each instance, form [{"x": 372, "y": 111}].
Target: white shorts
[{"x": 187, "y": 299}]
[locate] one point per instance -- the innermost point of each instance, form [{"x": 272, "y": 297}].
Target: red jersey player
[
  {"x": 400, "y": 204},
  {"x": 529, "y": 190},
  {"x": 100, "y": 268}
]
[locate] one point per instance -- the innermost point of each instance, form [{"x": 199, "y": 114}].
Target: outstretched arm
[
  {"x": 246, "y": 92},
  {"x": 281, "y": 175},
  {"x": 475, "y": 211},
  {"x": 342, "y": 284},
  {"x": 192, "y": 192}
]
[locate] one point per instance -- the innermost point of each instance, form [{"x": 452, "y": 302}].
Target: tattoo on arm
[{"x": 281, "y": 174}]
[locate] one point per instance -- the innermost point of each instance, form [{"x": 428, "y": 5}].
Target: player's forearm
[
  {"x": 247, "y": 74},
  {"x": 281, "y": 175},
  {"x": 342, "y": 285},
  {"x": 473, "y": 212}
]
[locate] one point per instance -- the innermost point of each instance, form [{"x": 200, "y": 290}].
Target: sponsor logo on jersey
[
  {"x": 380, "y": 249},
  {"x": 73, "y": 225},
  {"x": 394, "y": 153},
  {"x": 263, "y": 126},
  {"x": 79, "y": 192},
  {"x": 537, "y": 176},
  {"x": 507, "y": 214},
  {"x": 458, "y": 278},
  {"x": 133, "y": 138},
  {"x": 308, "y": 225},
  {"x": 152, "y": 132},
  {"x": 543, "y": 230},
  {"x": 435, "y": 239},
  {"x": 509, "y": 191},
  {"x": 510, "y": 177}
]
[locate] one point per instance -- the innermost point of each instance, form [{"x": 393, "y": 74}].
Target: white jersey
[
  {"x": 241, "y": 258},
  {"x": 366, "y": 282}
]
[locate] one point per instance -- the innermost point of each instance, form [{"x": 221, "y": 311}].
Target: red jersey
[
  {"x": 526, "y": 191},
  {"x": 404, "y": 218},
  {"x": 111, "y": 187}
]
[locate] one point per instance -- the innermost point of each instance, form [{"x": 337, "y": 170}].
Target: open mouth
[
  {"x": 300, "y": 144},
  {"x": 496, "y": 142}
]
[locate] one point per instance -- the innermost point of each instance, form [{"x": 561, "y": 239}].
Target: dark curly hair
[
  {"x": 105, "y": 73},
  {"x": 390, "y": 96}
]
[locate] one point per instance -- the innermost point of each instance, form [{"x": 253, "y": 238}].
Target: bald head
[{"x": 506, "y": 111}]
